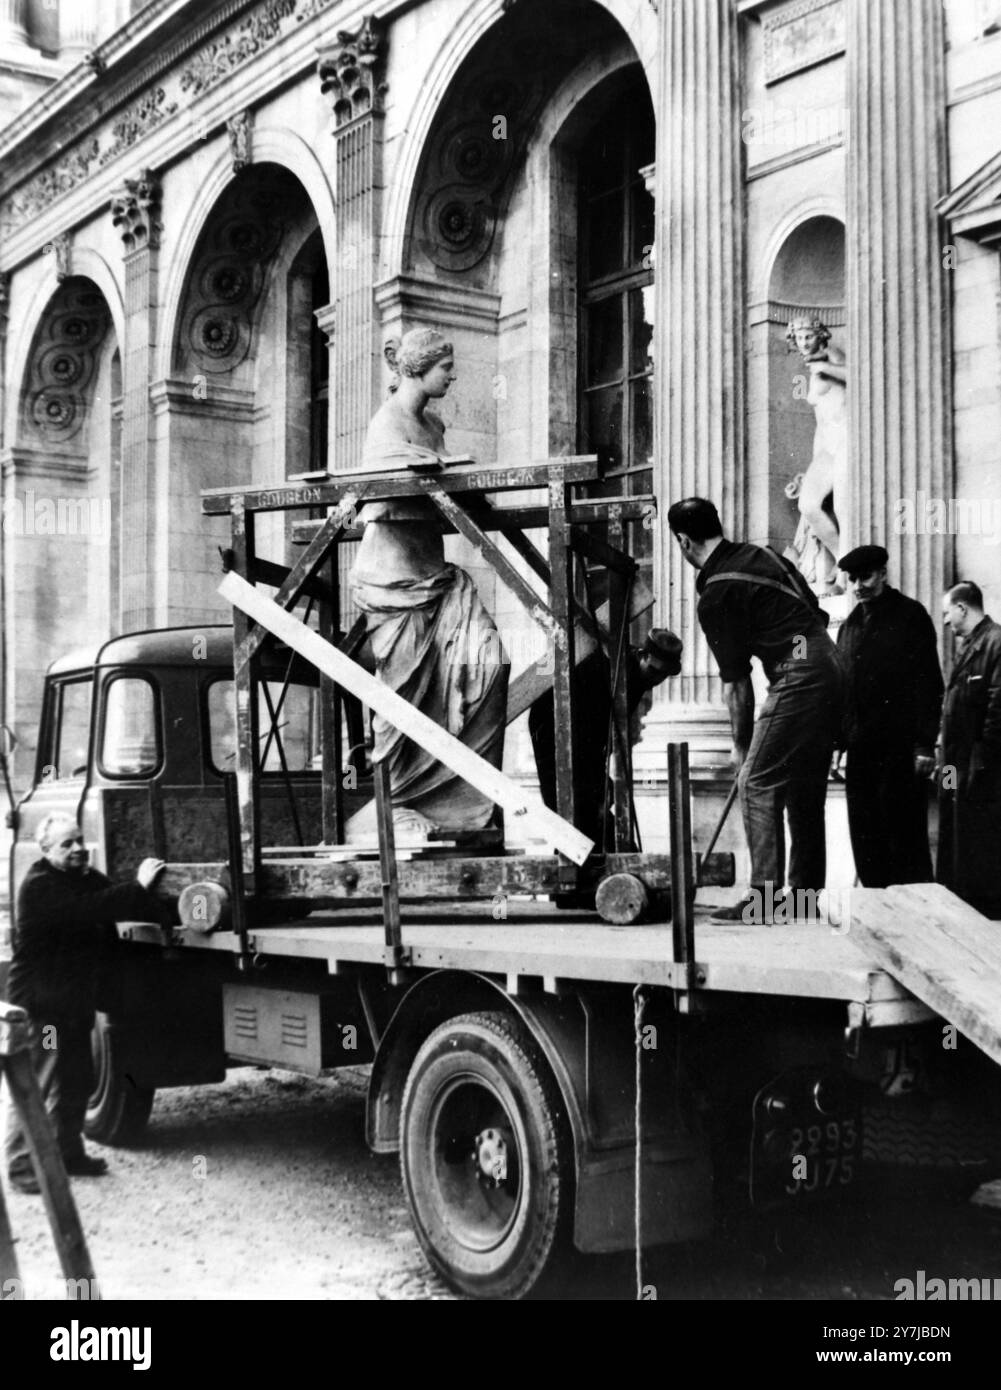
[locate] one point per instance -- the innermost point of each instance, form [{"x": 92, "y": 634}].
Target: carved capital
[
  {"x": 352, "y": 71},
  {"x": 61, "y": 247},
  {"x": 240, "y": 129},
  {"x": 135, "y": 211}
]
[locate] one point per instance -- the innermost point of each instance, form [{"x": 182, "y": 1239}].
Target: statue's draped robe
[{"x": 435, "y": 644}]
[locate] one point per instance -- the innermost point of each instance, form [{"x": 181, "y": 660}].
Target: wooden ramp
[{"x": 939, "y": 948}]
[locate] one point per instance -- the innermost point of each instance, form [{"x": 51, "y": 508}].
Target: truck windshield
[{"x": 296, "y": 737}]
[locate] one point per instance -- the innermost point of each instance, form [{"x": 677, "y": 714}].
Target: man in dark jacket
[
  {"x": 753, "y": 603},
  {"x": 969, "y": 844},
  {"x": 63, "y": 940},
  {"x": 893, "y": 701},
  {"x": 646, "y": 667}
]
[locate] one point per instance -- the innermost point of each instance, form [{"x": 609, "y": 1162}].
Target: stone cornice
[
  {"x": 102, "y": 138},
  {"x": 973, "y": 209},
  {"x": 184, "y": 397},
  {"x": 431, "y": 301}
]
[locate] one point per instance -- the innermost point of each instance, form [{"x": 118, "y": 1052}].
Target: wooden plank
[
  {"x": 534, "y": 605},
  {"x": 67, "y": 1232},
  {"x": 470, "y": 477},
  {"x": 245, "y": 762},
  {"x": 584, "y": 512},
  {"x": 347, "y": 876},
  {"x": 561, "y": 569},
  {"x": 331, "y": 737},
  {"x": 940, "y": 949},
  {"x": 305, "y": 567},
  {"x": 529, "y": 809}
]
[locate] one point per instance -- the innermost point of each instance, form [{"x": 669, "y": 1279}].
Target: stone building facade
[{"x": 211, "y": 220}]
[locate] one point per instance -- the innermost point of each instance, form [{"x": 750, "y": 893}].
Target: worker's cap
[
  {"x": 663, "y": 651},
  {"x": 863, "y": 560}
]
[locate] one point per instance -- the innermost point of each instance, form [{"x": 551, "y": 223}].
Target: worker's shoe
[
  {"x": 84, "y": 1166},
  {"x": 751, "y": 911},
  {"x": 24, "y": 1180}
]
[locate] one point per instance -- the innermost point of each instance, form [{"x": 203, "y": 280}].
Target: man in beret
[{"x": 892, "y": 706}]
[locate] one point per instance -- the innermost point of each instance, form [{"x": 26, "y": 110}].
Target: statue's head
[
  {"x": 417, "y": 351},
  {"x": 808, "y": 333}
]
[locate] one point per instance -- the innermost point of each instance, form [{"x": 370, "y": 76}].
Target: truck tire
[
  {"x": 486, "y": 1157},
  {"x": 118, "y": 1109}
]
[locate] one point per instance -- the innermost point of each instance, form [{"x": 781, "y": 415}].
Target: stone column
[
  {"x": 351, "y": 73},
  {"x": 135, "y": 212},
  {"x": 13, "y": 29},
  {"x": 898, "y": 342},
  {"x": 77, "y": 28},
  {"x": 698, "y": 345}
]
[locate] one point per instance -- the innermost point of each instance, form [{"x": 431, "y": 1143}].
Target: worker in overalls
[{"x": 754, "y": 603}]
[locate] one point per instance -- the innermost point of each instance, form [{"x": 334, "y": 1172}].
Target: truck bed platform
[{"x": 537, "y": 940}]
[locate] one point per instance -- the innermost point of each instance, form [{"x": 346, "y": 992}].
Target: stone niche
[{"x": 808, "y": 278}]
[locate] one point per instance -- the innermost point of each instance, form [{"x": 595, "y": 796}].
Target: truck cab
[{"x": 135, "y": 741}]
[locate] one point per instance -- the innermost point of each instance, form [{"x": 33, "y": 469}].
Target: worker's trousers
[
  {"x": 61, "y": 1057},
  {"x": 786, "y": 769}
]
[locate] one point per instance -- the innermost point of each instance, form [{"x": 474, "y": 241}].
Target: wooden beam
[
  {"x": 305, "y": 567},
  {"x": 561, "y": 596},
  {"x": 580, "y": 513},
  {"x": 939, "y": 948},
  {"x": 403, "y": 482},
  {"x": 527, "y": 809},
  {"x": 440, "y": 877},
  {"x": 535, "y": 606},
  {"x": 26, "y": 1096},
  {"x": 245, "y": 762}
]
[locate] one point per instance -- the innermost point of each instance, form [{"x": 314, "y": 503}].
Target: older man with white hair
[{"x": 63, "y": 938}]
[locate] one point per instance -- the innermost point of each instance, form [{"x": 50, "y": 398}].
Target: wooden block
[{"x": 408, "y": 719}]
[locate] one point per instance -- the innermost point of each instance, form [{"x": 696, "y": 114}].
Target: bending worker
[{"x": 753, "y": 603}]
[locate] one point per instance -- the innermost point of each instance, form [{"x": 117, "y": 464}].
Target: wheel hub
[{"x": 490, "y": 1156}]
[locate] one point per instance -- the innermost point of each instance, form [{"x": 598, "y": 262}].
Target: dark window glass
[
  {"x": 130, "y": 736},
  {"x": 296, "y": 736},
  {"x": 69, "y": 741},
  {"x": 615, "y": 306}
]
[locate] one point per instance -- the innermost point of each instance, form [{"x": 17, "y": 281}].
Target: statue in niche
[
  {"x": 432, "y": 640},
  {"x": 821, "y": 492}
]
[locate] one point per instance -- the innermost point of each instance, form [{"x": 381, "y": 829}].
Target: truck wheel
[
  {"x": 118, "y": 1109},
  {"x": 486, "y": 1157}
]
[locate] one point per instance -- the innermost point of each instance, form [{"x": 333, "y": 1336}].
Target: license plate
[{"x": 807, "y": 1138}]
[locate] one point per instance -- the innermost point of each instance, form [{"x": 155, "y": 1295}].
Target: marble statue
[
  {"x": 432, "y": 639},
  {"x": 822, "y": 537}
]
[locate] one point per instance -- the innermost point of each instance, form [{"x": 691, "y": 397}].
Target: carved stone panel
[
  {"x": 802, "y": 34},
  {"x": 228, "y": 276},
  {"x": 63, "y": 361}
]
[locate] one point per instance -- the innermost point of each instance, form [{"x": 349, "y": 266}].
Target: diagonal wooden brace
[
  {"x": 305, "y": 567},
  {"x": 15, "y": 1060},
  {"x": 537, "y": 609},
  {"x": 408, "y": 719}
]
